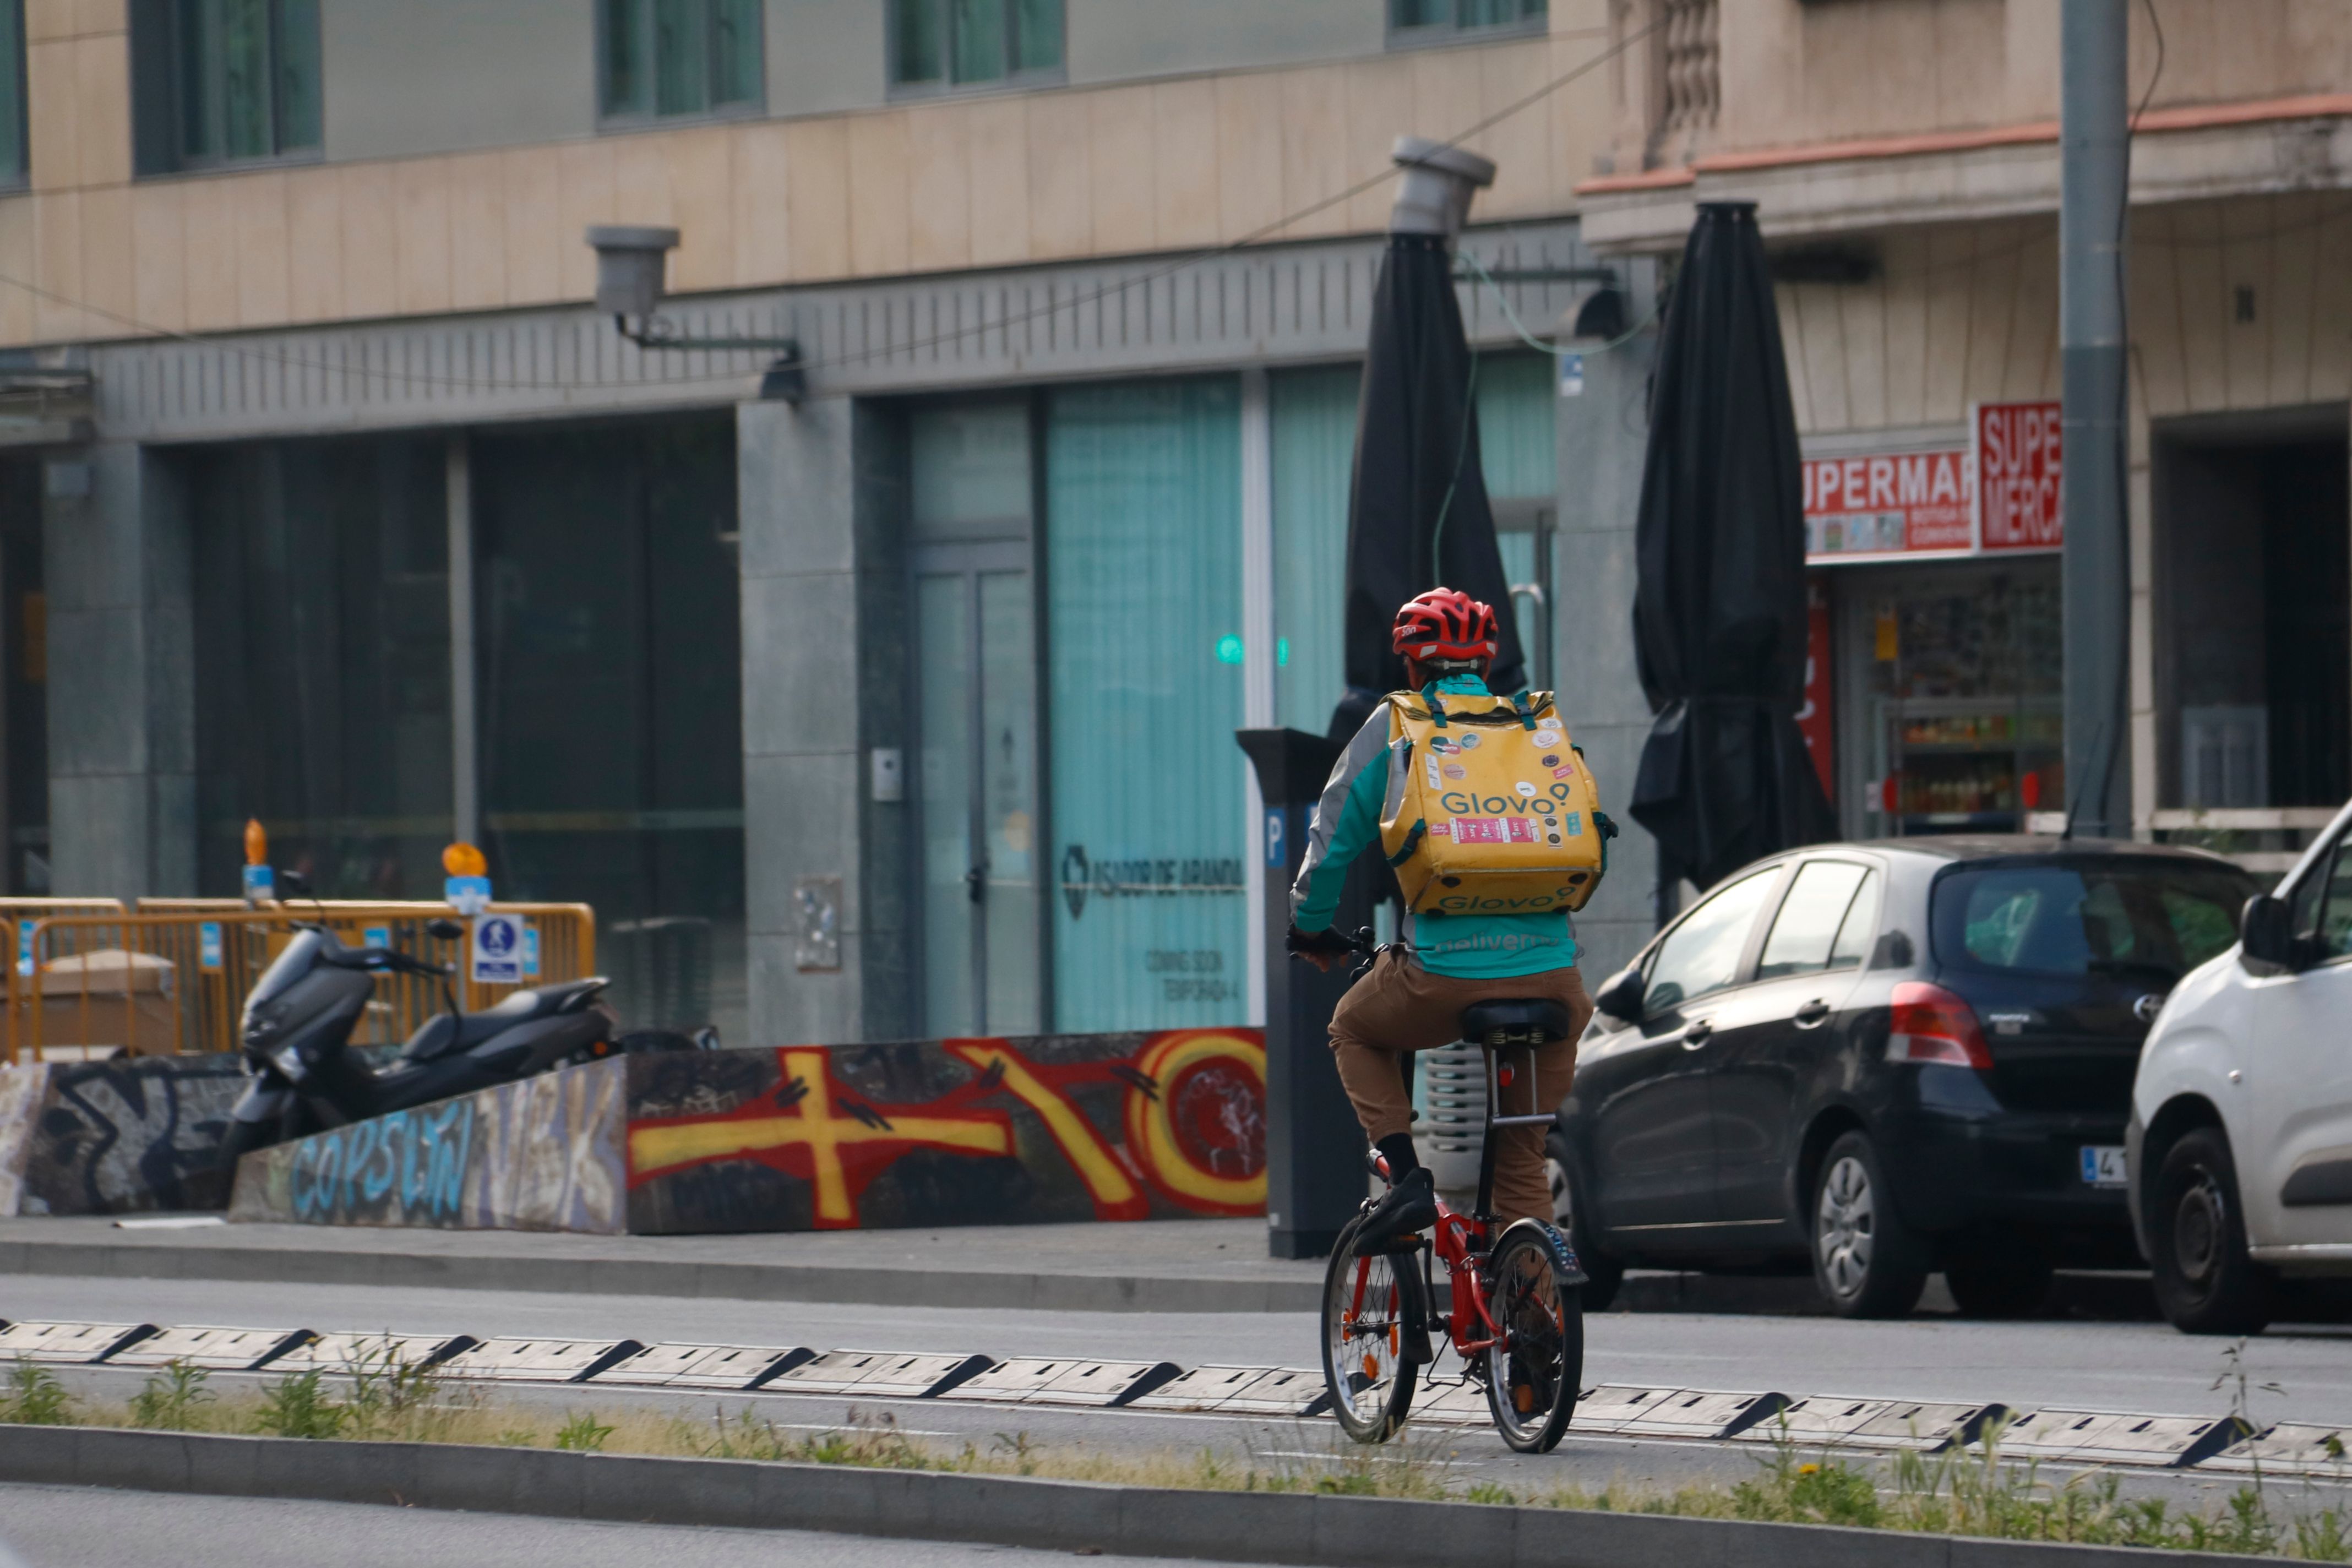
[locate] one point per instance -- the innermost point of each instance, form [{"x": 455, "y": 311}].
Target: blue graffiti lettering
[
  {"x": 414, "y": 1161},
  {"x": 447, "y": 1194},
  {"x": 375, "y": 1179}
]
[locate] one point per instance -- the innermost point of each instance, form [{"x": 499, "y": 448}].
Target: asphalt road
[
  {"x": 60, "y": 1527},
  {"x": 2131, "y": 1366}
]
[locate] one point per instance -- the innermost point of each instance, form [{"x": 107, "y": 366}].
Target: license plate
[{"x": 2103, "y": 1166}]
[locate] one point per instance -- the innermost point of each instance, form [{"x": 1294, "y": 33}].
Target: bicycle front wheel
[
  {"x": 1371, "y": 1303},
  {"x": 1534, "y": 1369}
]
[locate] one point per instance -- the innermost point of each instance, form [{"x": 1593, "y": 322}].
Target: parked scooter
[{"x": 297, "y": 1024}]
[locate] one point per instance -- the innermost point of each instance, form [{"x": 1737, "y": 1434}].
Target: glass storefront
[
  {"x": 1949, "y": 697},
  {"x": 1144, "y": 682},
  {"x": 1314, "y": 417},
  {"x": 607, "y": 678},
  {"x": 609, "y": 667},
  {"x": 323, "y": 662},
  {"x": 1107, "y": 889},
  {"x": 975, "y": 753},
  {"x": 25, "y": 658}
]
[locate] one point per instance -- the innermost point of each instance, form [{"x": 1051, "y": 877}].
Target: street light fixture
[{"x": 630, "y": 264}]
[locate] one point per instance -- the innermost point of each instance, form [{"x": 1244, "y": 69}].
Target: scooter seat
[{"x": 438, "y": 1035}]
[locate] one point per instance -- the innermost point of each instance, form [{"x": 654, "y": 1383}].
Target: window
[
  {"x": 1860, "y": 932},
  {"x": 1143, "y": 597},
  {"x": 246, "y": 79},
  {"x": 2323, "y": 911},
  {"x": 967, "y": 43},
  {"x": 12, "y": 94},
  {"x": 1702, "y": 954},
  {"x": 662, "y": 58},
  {"x": 1805, "y": 932},
  {"x": 1412, "y": 21},
  {"x": 2089, "y": 918},
  {"x": 1517, "y": 437}
]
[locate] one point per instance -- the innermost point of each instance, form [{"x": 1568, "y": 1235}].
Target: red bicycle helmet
[{"x": 1445, "y": 623}]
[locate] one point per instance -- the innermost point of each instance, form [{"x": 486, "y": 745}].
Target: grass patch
[{"x": 1969, "y": 1492}]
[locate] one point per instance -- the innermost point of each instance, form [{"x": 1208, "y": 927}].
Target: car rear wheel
[
  {"x": 1867, "y": 1261},
  {"x": 2205, "y": 1282}
]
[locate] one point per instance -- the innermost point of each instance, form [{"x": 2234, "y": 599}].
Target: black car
[{"x": 1887, "y": 1058}]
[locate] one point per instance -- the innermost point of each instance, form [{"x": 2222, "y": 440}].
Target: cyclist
[{"x": 1413, "y": 998}]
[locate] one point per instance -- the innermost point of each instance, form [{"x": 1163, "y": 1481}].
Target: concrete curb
[
  {"x": 1256, "y": 1527},
  {"x": 838, "y": 1283}
]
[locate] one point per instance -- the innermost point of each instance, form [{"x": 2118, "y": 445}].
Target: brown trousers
[{"x": 1400, "y": 1007}]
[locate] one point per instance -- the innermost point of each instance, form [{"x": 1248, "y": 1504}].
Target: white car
[{"x": 2239, "y": 1146}]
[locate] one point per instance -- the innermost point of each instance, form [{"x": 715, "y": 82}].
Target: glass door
[{"x": 976, "y": 756}]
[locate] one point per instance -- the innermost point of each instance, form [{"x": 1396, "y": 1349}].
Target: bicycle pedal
[{"x": 1417, "y": 1350}]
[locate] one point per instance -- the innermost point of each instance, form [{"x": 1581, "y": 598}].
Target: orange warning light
[
  {"x": 462, "y": 859},
  {"x": 257, "y": 843}
]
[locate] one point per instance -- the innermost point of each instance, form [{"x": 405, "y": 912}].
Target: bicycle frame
[{"x": 1462, "y": 1242}]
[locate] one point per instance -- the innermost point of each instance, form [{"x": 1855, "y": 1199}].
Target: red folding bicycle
[{"x": 1514, "y": 1315}]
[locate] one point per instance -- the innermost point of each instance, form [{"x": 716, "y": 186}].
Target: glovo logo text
[
  {"x": 1459, "y": 803},
  {"x": 1496, "y": 904}
]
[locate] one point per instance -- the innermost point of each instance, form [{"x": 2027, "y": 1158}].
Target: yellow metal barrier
[
  {"x": 175, "y": 980},
  {"x": 22, "y": 915}
]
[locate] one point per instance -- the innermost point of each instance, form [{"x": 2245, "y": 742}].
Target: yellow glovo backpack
[{"x": 1499, "y": 815}]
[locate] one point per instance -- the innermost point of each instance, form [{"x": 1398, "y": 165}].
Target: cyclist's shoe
[{"x": 1407, "y": 1207}]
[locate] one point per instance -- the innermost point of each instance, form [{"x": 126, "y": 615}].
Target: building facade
[
  {"x": 1904, "y": 159},
  {"x": 902, "y": 704},
  {"x": 901, "y": 701}
]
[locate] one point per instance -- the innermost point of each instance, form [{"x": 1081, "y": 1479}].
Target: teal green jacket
[{"x": 1368, "y": 777}]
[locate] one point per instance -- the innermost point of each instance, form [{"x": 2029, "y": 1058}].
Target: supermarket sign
[{"x": 1998, "y": 493}]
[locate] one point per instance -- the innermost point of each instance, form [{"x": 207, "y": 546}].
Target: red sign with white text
[
  {"x": 1890, "y": 503},
  {"x": 2017, "y": 466}
]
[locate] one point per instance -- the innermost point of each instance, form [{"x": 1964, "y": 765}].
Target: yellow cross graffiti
[
  {"x": 814, "y": 1124},
  {"x": 1106, "y": 1181}
]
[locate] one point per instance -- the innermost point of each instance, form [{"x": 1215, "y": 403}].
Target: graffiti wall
[
  {"x": 543, "y": 1154},
  {"x": 979, "y": 1132},
  {"x": 116, "y": 1137},
  {"x": 975, "y": 1131}
]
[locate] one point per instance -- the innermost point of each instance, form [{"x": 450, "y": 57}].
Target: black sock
[{"x": 1397, "y": 1149}]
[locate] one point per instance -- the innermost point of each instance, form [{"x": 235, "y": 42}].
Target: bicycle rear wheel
[
  {"x": 1533, "y": 1373},
  {"x": 1371, "y": 1303}
]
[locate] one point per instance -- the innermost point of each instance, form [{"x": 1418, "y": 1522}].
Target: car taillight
[{"x": 1931, "y": 1025}]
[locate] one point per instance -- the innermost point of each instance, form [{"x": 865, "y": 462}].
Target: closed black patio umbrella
[
  {"x": 1719, "y": 614},
  {"x": 1417, "y": 508}
]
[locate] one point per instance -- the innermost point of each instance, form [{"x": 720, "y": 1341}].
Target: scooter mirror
[
  {"x": 295, "y": 883},
  {"x": 443, "y": 930}
]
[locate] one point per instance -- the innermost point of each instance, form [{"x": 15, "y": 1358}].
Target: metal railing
[
  {"x": 173, "y": 977},
  {"x": 2264, "y": 839}
]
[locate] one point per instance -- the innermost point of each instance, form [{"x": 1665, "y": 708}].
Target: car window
[
  {"x": 2089, "y": 917},
  {"x": 1860, "y": 932},
  {"x": 1702, "y": 954},
  {"x": 2200, "y": 928},
  {"x": 2302, "y": 908},
  {"x": 2334, "y": 931},
  {"x": 1810, "y": 919}
]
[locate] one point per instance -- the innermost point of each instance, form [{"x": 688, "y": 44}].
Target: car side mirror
[
  {"x": 445, "y": 930},
  {"x": 1619, "y": 995},
  {"x": 2265, "y": 939}
]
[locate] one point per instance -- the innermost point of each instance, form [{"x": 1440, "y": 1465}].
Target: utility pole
[{"x": 2095, "y": 175}]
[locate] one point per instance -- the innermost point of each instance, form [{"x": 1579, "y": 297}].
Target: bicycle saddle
[{"x": 1522, "y": 1020}]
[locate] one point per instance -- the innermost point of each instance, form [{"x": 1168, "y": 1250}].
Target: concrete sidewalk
[{"x": 1191, "y": 1265}]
